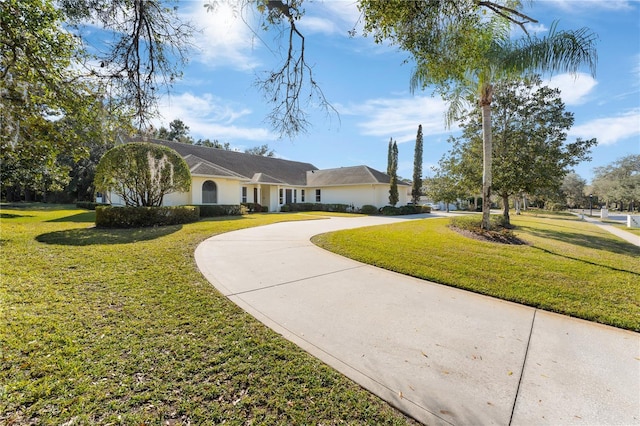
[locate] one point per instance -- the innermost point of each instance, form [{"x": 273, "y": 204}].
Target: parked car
[{"x": 433, "y": 206}]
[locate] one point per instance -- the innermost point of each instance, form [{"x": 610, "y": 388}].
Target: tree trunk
[
  {"x": 505, "y": 212},
  {"x": 485, "y": 103}
]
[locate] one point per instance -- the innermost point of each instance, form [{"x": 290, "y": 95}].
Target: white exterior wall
[
  {"x": 229, "y": 190},
  {"x": 358, "y": 195},
  {"x": 177, "y": 199}
]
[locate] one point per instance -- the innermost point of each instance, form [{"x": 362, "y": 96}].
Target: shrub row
[
  {"x": 307, "y": 207},
  {"x": 403, "y": 210},
  {"x": 89, "y": 205},
  {"x": 211, "y": 210},
  {"x": 137, "y": 217}
]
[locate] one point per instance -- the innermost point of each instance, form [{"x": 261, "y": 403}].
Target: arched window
[{"x": 209, "y": 192}]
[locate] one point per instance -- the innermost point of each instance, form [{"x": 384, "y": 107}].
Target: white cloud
[
  {"x": 536, "y": 28},
  {"x": 331, "y": 17},
  {"x": 210, "y": 117},
  {"x": 610, "y": 130},
  {"x": 574, "y": 89},
  {"x": 226, "y": 38},
  {"x": 573, "y": 5},
  {"x": 399, "y": 118}
]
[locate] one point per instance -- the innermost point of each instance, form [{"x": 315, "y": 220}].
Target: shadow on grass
[
  {"x": 13, "y": 216},
  {"x": 84, "y": 217},
  {"x": 582, "y": 240},
  {"x": 102, "y": 236},
  {"x": 577, "y": 259}
]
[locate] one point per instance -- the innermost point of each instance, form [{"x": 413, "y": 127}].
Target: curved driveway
[{"x": 442, "y": 355}]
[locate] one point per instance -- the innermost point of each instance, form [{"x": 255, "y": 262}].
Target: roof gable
[
  {"x": 356, "y": 175},
  {"x": 199, "y": 166}
]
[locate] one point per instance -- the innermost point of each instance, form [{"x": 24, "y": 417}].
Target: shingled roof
[
  {"x": 356, "y": 175},
  {"x": 220, "y": 162}
]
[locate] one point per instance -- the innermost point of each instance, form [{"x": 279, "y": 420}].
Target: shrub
[
  {"x": 390, "y": 211},
  {"x": 340, "y": 208},
  {"x": 410, "y": 209},
  {"x": 425, "y": 209},
  {"x": 139, "y": 217},
  {"x": 300, "y": 207},
  {"x": 254, "y": 207},
  {"x": 306, "y": 207},
  {"x": 499, "y": 228},
  {"x": 215, "y": 210},
  {"x": 369, "y": 209}
]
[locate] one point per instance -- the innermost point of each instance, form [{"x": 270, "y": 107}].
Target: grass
[
  {"x": 569, "y": 266},
  {"x": 119, "y": 327}
]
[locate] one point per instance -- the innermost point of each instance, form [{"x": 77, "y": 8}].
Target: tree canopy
[
  {"x": 47, "y": 108},
  {"x": 465, "y": 46},
  {"x": 142, "y": 173},
  {"x": 619, "y": 181},
  {"x": 530, "y": 151}
]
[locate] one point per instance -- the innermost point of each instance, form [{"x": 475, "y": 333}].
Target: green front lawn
[
  {"x": 569, "y": 266},
  {"x": 119, "y": 327}
]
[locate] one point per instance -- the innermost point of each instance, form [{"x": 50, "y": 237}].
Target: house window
[
  {"x": 295, "y": 195},
  {"x": 318, "y": 197},
  {"x": 244, "y": 194},
  {"x": 281, "y": 196},
  {"x": 302, "y": 195},
  {"x": 209, "y": 192}
]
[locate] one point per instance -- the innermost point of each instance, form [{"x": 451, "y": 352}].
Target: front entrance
[{"x": 288, "y": 196}]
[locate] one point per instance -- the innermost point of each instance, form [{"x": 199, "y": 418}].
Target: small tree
[
  {"x": 392, "y": 171},
  {"x": 416, "y": 192},
  {"x": 142, "y": 173}
]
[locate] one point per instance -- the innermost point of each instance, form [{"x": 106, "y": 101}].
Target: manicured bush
[
  {"x": 473, "y": 223},
  {"x": 340, "y": 208},
  {"x": 254, "y": 207},
  {"x": 139, "y": 217},
  {"x": 306, "y": 207},
  {"x": 390, "y": 211},
  {"x": 215, "y": 210},
  {"x": 369, "y": 209},
  {"x": 410, "y": 209},
  {"x": 300, "y": 207}
]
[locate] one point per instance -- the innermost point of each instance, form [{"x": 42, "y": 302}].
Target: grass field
[
  {"x": 569, "y": 266},
  {"x": 119, "y": 327}
]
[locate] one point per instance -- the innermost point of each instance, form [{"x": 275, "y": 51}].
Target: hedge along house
[{"x": 229, "y": 177}]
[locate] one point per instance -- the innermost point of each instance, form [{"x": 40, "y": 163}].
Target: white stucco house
[{"x": 229, "y": 177}]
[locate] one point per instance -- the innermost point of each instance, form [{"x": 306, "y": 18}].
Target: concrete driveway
[{"x": 441, "y": 355}]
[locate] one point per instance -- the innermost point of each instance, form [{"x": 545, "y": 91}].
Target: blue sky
[{"x": 368, "y": 85}]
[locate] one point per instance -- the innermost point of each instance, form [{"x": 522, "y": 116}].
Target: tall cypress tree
[
  {"x": 389, "y": 156},
  {"x": 392, "y": 171},
  {"x": 417, "y": 168}
]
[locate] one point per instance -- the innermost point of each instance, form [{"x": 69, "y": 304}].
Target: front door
[{"x": 288, "y": 196}]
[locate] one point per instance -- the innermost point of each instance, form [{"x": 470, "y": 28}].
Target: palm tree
[{"x": 559, "y": 51}]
